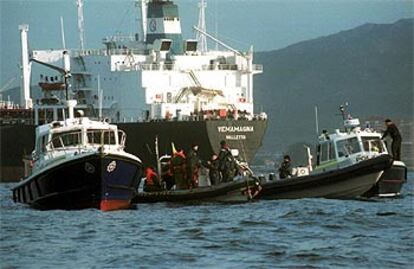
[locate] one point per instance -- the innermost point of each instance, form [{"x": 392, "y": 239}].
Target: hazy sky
[{"x": 265, "y": 24}]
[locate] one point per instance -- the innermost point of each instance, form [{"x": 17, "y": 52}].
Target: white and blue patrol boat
[{"x": 79, "y": 163}]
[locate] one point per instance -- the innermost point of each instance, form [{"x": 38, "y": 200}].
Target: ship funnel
[{"x": 163, "y": 22}]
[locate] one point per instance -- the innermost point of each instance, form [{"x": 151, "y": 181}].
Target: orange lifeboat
[{"x": 54, "y": 86}]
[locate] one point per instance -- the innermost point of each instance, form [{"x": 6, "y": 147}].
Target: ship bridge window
[
  {"x": 326, "y": 152},
  {"x": 348, "y": 146},
  {"x": 66, "y": 139},
  {"x": 42, "y": 143},
  {"x": 165, "y": 45},
  {"x": 100, "y": 137},
  {"x": 372, "y": 144}
]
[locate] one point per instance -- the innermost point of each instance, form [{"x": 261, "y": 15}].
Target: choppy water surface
[{"x": 306, "y": 233}]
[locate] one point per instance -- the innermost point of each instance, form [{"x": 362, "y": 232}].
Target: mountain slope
[{"x": 370, "y": 66}]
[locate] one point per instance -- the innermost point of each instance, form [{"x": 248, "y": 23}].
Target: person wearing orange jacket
[
  {"x": 152, "y": 182},
  {"x": 178, "y": 168}
]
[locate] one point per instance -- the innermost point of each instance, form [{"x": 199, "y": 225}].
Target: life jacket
[{"x": 150, "y": 175}]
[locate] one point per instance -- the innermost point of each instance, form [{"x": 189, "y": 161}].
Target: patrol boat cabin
[{"x": 344, "y": 148}]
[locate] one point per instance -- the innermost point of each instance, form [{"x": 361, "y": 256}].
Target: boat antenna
[
  {"x": 343, "y": 108},
  {"x": 316, "y": 121},
  {"x": 62, "y": 32},
  {"x": 157, "y": 155},
  {"x": 67, "y": 74},
  {"x": 81, "y": 26},
  {"x": 100, "y": 93},
  {"x": 202, "y": 26}
]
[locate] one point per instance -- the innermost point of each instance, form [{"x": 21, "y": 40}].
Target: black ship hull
[
  {"x": 245, "y": 135},
  {"x": 345, "y": 183},
  {"x": 106, "y": 182},
  {"x": 390, "y": 183},
  {"x": 241, "y": 190}
]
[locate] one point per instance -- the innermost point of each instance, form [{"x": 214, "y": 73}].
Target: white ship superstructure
[
  {"x": 154, "y": 85},
  {"x": 159, "y": 75}
]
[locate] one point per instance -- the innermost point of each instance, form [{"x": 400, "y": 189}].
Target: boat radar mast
[{"x": 349, "y": 122}]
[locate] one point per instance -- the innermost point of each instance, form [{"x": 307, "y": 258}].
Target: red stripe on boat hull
[{"x": 109, "y": 205}]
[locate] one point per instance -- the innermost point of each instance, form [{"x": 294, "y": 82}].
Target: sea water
[{"x": 303, "y": 233}]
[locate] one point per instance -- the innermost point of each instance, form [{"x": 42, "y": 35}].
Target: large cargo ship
[{"x": 154, "y": 84}]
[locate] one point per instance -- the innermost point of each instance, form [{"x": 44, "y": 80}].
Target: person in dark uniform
[
  {"x": 193, "y": 166},
  {"x": 393, "y": 131},
  {"x": 152, "y": 182},
  {"x": 167, "y": 175},
  {"x": 227, "y": 163},
  {"x": 285, "y": 170},
  {"x": 178, "y": 168},
  {"x": 213, "y": 170}
]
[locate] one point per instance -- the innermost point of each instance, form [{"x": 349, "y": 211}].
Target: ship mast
[
  {"x": 143, "y": 18},
  {"x": 25, "y": 100},
  {"x": 202, "y": 41},
  {"x": 81, "y": 26}
]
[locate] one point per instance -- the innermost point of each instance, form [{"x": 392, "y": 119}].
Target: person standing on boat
[
  {"x": 285, "y": 170},
  {"x": 178, "y": 168},
  {"x": 213, "y": 169},
  {"x": 393, "y": 131},
  {"x": 193, "y": 166},
  {"x": 167, "y": 175},
  {"x": 227, "y": 163},
  {"x": 152, "y": 182}
]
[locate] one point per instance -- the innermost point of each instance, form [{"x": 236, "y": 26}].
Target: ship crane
[
  {"x": 248, "y": 57},
  {"x": 8, "y": 83},
  {"x": 65, "y": 72},
  {"x": 218, "y": 41}
]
